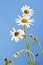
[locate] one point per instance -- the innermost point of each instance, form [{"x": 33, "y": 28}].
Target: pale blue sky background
[{"x": 9, "y": 9}]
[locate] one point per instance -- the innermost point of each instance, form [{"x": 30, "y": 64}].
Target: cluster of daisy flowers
[{"x": 26, "y": 20}]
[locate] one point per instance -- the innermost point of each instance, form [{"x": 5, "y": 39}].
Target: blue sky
[{"x": 9, "y": 9}]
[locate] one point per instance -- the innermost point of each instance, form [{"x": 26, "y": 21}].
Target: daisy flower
[
  {"x": 16, "y": 54},
  {"x": 24, "y": 20},
  {"x": 17, "y": 34},
  {"x": 26, "y": 10}
]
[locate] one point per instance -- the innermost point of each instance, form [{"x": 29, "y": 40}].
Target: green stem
[
  {"x": 27, "y": 45},
  {"x": 41, "y": 49},
  {"x": 29, "y": 52},
  {"x": 33, "y": 55},
  {"x": 30, "y": 59}
]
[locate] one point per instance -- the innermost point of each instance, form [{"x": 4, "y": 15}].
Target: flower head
[
  {"x": 17, "y": 34},
  {"x": 26, "y": 10},
  {"x": 25, "y": 20},
  {"x": 35, "y": 39},
  {"x": 7, "y": 61},
  {"x": 16, "y": 54}
]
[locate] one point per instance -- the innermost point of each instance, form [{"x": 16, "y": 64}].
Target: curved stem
[
  {"x": 21, "y": 51},
  {"x": 41, "y": 49},
  {"x": 33, "y": 55},
  {"x": 28, "y": 51},
  {"x": 30, "y": 58},
  {"x": 27, "y": 46}
]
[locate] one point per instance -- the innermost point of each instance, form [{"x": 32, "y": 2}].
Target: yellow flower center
[
  {"x": 26, "y": 11},
  {"x": 24, "y": 20},
  {"x": 16, "y": 34},
  {"x": 17, "y": 54}
]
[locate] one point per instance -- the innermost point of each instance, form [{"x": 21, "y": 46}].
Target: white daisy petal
[
  {"x": 12, "y": 38},
  {"x": 13, "y": 29},
  {"x": 28, "y": 26},
  {"x": 19, "y": 17},
  {"x": 10, "y": 34},
  {"x": 21, "y": 31},
  {"x": 10, "y": 31},
  {"x": 16, "y": 19},
  {"x": 30, "y": 23},
  {"x": 19, "y": 24},
  {"x": 32, "y": 20},
  {"x": 16, "y": 39},
  {"x": 21, "y": 37}
]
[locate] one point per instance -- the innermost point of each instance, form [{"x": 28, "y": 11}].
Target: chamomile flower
[
  {"x": 16, "y": 54},
  {"x": 26, "y": 10},
  {"x": 24, "y": 20},
  {"x": 17, "y": 34}
]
